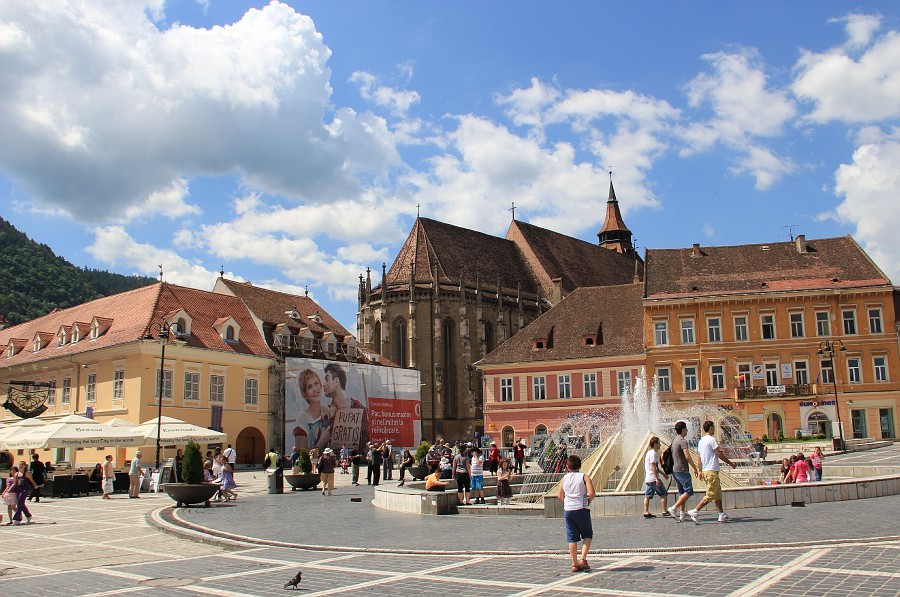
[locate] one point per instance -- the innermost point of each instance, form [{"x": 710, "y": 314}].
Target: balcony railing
[{"x": 774, "y": 392}]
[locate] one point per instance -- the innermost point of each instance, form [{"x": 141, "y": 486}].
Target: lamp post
[
  {"x": 828, "y": 347},
  {"x": 163, "y": 329}
]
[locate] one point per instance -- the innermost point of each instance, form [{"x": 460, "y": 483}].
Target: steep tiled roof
[
  {"x": 577, "y": 262},
  {"x": 205, "y": 309},
  {"x": 132, "y": 313},
  {"x": 457, "y": 252},
  {"x": 826, "y": 263},
  {"x": 618, "y": 308},
  {"x": 270, "y": 306},
  {"x": 613, "y": 220}
]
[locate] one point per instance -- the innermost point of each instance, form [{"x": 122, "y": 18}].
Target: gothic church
[{"x": 452, "y": 295}]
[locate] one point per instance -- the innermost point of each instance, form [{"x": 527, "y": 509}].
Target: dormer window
[
  {"x": 538, "y": 343},
  {"x": 182, "y": 325},
  {"x": 36, "y": 344},
  {"x": 317, "y": 318},
  {"x": 61, "y": 337},
  {"x": 179, "y": 322},
  {"x": 10, "y": 350},
  {"x": 99, "y": 326},
  {"x": 293, "y": 314},
  {"x": 588, "y": 341},
  {"x": 228, "y": 329}
]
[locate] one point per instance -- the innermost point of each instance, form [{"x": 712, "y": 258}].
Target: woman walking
[
  {"x": 24, "y": 484},
  {"x": 327, "y": 464},
  {"x": 228, "y": 484}
]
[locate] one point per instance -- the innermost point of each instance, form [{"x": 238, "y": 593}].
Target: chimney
[
  {"x": 695, "y": 252},
  {"x": 801, "y": 243},
  {"x": 557, "y": 290}
]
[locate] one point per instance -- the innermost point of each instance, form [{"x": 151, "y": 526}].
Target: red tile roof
[
  {"x": 826, "y": 263},
  {"x": 619, "y": 308},
  {"x": 270, "y": 306},
  {"x": 131, "y": 314}
]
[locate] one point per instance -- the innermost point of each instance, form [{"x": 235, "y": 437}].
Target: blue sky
[{"x": 291, "y": 143}]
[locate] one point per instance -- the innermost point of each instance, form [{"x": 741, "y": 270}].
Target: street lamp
[
  {"x": 163, "y": 329},
  {"x": 828, "y": 347}
]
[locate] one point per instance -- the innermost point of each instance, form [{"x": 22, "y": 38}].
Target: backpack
[{"x": 666, "y": 462}]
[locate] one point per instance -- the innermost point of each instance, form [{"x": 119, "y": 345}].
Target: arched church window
[
  {"x": 448, "y": 337},
  {"x": 401, "y": 343},
  {"x": 488, "y": 337}
]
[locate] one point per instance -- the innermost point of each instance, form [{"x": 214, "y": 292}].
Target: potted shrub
[
  {"x": 301, "y": 476},
  {"x": 417, "y": 471},
  {"x": 193, "y": 490}
]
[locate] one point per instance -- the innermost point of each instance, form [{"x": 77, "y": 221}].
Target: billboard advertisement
[{"x": 333, "y": 403}]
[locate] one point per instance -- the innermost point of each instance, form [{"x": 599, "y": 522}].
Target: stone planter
[
  {"x": 303, "y": 481},
  {"x": 185, "y": 494},
  {"x": 418, "y": 472}
]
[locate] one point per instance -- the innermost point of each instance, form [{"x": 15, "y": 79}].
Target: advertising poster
[{"x": 332, "y": 404}]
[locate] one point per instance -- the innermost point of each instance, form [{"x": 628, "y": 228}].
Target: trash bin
[{"x": 275, "y": 477}]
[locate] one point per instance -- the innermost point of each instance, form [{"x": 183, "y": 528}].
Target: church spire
[{"x": 615, "y": 235}]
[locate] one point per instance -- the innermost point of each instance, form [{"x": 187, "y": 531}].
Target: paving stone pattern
[{"x": 89, "y": 546}]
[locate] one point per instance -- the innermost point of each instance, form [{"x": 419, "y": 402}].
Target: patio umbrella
[
  {"x": 176, "y": 431},
  {"x": 13, "y": 428},
  {"x": 121, "y": 423},
  {"x": 72, "y": 431}
]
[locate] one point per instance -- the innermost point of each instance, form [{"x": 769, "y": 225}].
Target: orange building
[
  {"x": 578, "y": 356},
  {"x": 742, "y": 327}
]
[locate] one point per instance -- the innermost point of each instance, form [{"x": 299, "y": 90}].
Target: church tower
[{"x": 615, "y": 235}]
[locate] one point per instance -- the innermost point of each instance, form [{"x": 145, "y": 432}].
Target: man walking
[
  {"x": 109, "y": 477},
  {"x": 134, "y": 476},
  {"x": 710, "y": 454},
  {"x": 681, "y": 458},
  {"x": 387, "y": 459},
  {"x": 652, "y": 474},
  {"x": 230, "y": 455},
  {"x": 36, "y": 468},
  {"x": 375, "y": 464}
]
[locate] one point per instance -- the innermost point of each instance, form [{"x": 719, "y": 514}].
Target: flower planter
[
  {"x": 185, "y": 494},
  {"x": 303, "y": 481},
  {"x": 418, "y": 472}
]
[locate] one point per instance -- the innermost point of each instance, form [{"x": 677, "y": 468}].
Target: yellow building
[
  {"x": 743, "y": 327},
  {"x": 103, "y": 359}
]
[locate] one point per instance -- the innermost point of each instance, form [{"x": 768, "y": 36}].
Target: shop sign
[
  {"x": 758, "y": 372},
  {"x": 775, "y": 390}
]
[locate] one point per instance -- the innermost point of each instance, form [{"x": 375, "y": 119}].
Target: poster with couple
[{"x": 332, "y": 404}]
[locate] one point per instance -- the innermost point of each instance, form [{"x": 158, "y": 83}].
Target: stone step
[{"x": 496, "y": 510}]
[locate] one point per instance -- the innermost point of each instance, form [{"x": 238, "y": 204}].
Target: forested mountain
[{"x": 34, "y": 281}]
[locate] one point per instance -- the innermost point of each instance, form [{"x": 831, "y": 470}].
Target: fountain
[{"x": 612, "y": 444}]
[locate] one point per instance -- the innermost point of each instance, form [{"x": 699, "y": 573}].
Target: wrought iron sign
[{"x": 26, "y": 399}]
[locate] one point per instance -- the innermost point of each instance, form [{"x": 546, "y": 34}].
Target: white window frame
[
  {"x": 90, "y": 388},
  {"x": 848, "y": 324},
  {"x": 875, "y": 320},
  {"x": 763, "y": 317},
  {"x": 191, "y": 386},
  {"x": 624, "y": 381},
  {"x": 118, "y": 385},
  {"x": 51, "y": 395},
  {"x": 881, "y": 371},
  {"x": 661, "y": 333},
  {"x": 826, "y": 371},
  {"x": 689, "y": 375},
  {"x": 773, "y": 374},
  {"x": 801, "y": 370},
  {"x": 714, "y": 331},
  {"x": 168, "y": 381},
  {"x": 664, "y": 381},
  {"x": 539, "y": 387},
  {"x": 251, "y": 391},
  {"x": 798, "y": 329},
  {"x": 687, "y": 331},
  {"x": 854, "y": 370},
  {"x": 506, "y": 389},
  {"x": 741, "y": 330},
  {"x": 745, "y": 370},
  {"x": 564, "y": 385},
  {"x": 717, "y": 376},
  {"x": 66, "y": 397},
  {"x": 590, "y": 384},
  {"x": 823, "y": 324},
  {"x": 217, "y": 388}
]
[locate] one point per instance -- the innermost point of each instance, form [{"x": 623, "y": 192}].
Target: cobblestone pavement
[{"x": 88, "y": 546}]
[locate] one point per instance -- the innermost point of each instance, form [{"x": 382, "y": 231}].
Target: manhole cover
[{"x": 168, "y": 582}]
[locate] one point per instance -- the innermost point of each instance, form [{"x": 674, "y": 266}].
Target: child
[
  {"x": 504, "y": 491},
  {"x": 9, "y": 494}
]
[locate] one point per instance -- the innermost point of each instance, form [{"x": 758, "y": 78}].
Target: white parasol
[
  {"x": 72, "y": 431},
  {"x": 176, "y": 431}
]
